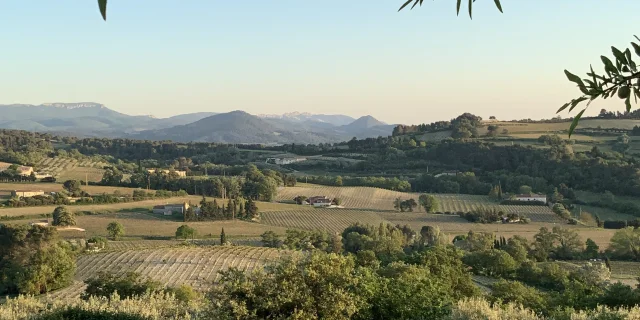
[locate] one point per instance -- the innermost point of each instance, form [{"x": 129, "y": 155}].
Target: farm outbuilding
[
  {"x": 169, "y": 209},
  {"x": 26, "y": 193},
  {"x": 531, "y": 197},
  {"x": 320, "y": 201}
]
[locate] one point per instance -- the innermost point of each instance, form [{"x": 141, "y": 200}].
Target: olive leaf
[{"x": 102, "y": 4}]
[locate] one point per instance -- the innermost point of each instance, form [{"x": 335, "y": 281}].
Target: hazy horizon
[{"x": 164, "y": 58}]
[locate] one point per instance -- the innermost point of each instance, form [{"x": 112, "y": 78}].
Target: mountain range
[{"x": 90, "y": 119}]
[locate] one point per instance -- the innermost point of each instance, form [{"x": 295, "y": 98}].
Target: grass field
[
  {"x": 194, "y": 266},
  {"x": 382, "y": 200},
  {"x": 140, "y": 225},
  {"x": 522, "y": 130}
]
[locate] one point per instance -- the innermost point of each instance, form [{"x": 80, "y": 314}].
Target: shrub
[
  {"x": 97, "y": 243},
  {"x": 76, "y": 313},
  {"x": 127, "y": 285},
  {"x": 477, "y": 308}
]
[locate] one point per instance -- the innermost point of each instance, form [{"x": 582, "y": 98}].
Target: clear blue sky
[{"x": 353, "y": 57}]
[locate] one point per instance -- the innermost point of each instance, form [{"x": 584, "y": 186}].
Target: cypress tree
[{"x": 223, "y": 237}]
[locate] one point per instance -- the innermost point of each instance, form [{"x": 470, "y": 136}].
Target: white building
[
  {"x": 531, "y": 197},
  {"x": 283, "y": 161},
  {"x": 169, "y": 209}
]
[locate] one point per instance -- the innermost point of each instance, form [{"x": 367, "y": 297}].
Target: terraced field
[
  {"x": 197, "y": 267},
  {"x": 331, "y": 220},
  {"x": 69, "y": 168},
  {"x": 367, "y": 198}
]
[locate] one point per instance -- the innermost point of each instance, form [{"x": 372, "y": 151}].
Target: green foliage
[
  {"x": 493, "y": 263},
  {"x": 75, "y": 313},
  {"x": 33, "y": 261},
  {"x": 184, "y": 293},
  {"x": 625, "y": 243},
  {"x": 62, "y": 217},
  {"x": 127, "y": 285},
  {"x": 477, "y": 241},
  {"x": 465, "y": 126},
  {"x": 404, "y": 205},
  {"x": 159, "y": 306},
  {"x": 72, "y": 186},
  {"x": 432, "y": 236},
  {"x": 115, "y": 230},
  {"x": 325, "y": 286},
  {"x": 518, "y": 248},
  {"x": 515, "y": 292},
  {"x": 429, "y": 203},
  {"x": 488, "y": 215},
  {"x": 271, "y": 240},
  {"x": 185, "y": 232},
  {"x": 97, "y": 243},
  {"x": 621, "y": 77},
  {"x": 223, "y": 238},
  {"x": 525, "y": 190},
  {"x": 111, "y": 177},
  {"x": 561, "y": 211},
  {"x": 102, "y": 4},
  {"x": 385, "y": 240}
]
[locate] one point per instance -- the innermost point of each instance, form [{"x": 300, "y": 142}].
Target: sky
[{"x": 358, "y": 57}]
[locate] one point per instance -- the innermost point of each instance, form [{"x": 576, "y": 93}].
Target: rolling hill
[
  {"x": 237, "y": 127},
  {"x": 89, "y": 119}
]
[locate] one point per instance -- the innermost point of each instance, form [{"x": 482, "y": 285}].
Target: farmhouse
[
  {"x": 531, "y": 197},
  {"x": 42, "y": 224},
  {"x": 319, "y": 201},
  {"x": 447, "y": 173},
  {"x": 283, "y": 161},
  {"x": 181, "y": 174},
  {"x": 26, "y": 193},
  {"x": 169, "y": 209}
]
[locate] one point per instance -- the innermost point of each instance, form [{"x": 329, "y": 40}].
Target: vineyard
[
  {"x": 72, "y": 169},
  {"x": 331, "y": 220},
  {"x": 380, "y": 199},
  {"x": 197, "y": 266}
]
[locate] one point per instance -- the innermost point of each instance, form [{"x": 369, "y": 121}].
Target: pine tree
[{"x": 223, "y": 237}]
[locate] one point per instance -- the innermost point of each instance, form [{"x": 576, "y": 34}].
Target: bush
[
  {"x": 127, "y": 285},
  {"x": 493, "y": 263},
  {"x": 476, "y": 308},
  {"x": 97, "y": 243},
  {"x": 149, "y": 306},
  {"x": 76, "y": 313}
]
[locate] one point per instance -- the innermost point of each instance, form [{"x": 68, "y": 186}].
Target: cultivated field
[
  {"x": 6, "y": 188},
  {"x": 382, "y": 200},
  {"x": 69, "y": 168},
  {"x": 331, "y": 220},
  {"x": 139, "y": 225},
  {"x": 194, "y": 266},
  {"x": 112, "y": 207}
]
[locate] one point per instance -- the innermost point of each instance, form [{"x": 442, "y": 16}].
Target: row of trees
[{"x": 234, "y": 209}]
